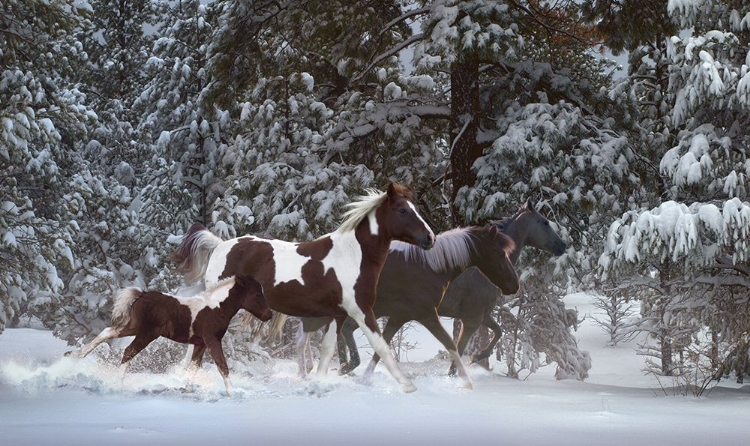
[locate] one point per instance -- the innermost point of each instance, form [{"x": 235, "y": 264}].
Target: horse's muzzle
[{"x": 426, "y": 242}]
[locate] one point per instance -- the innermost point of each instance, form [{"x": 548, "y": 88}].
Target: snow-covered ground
[{"x": 48, "y": 399}]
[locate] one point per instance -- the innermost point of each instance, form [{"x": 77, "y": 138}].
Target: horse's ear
[
  {"x": 530, "y": 205},
  {"x": 396, "y": 189},
  {"x": 392, "y": 190}
]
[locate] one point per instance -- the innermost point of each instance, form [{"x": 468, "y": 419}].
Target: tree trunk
[{"x": 464, "y": 126}]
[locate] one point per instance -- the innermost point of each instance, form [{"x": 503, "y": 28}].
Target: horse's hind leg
[
  {"x": 139, "y": 343},
  {"x": 302, "y": 344},
  {"x": 106, "y": 334}
]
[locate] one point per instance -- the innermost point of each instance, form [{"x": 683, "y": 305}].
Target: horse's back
[
  {"x": 407, "y": 285},
  {"x": 162, "y": 314}
]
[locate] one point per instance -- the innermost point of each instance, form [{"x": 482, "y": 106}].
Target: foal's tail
[
  {"x": 123, "y": 302},
  {"x": 192, "y": 255}
]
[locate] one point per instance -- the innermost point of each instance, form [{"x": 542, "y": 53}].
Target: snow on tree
[
  {"x": 42, "y": 121},
  {"x": 690, "y": 251}
]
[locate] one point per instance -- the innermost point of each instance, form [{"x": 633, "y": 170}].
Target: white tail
[
  {"x": 123, "y": 301},
  {"x": 194, "y": 252}
]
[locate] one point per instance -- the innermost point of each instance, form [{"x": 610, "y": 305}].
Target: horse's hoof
[
  {"x": 409, "y": 388},
  {"x": 70, "y": 353}
]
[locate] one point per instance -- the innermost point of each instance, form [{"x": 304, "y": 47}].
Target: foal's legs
[
  {"x": 196, "y": 359},
  {"x": 217, "y": 353},
  {"x": 497, "y": 333},
  {"x": 106, "y": 334},
  {"x": 469, "y": 326}
]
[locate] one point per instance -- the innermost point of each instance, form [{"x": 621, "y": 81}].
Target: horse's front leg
[
  {"x": 196, "y": 359},
  {"x": 368, "y": 324},
  {"x": 217, "y": 353}
]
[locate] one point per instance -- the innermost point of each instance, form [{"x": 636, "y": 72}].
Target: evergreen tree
[
  {"x": 685, "y": 247},
  {"x": 43, "y": 119}
]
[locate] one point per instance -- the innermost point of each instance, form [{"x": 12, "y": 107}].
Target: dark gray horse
[
  {"x": 470, "y": 297},
  {"x": 412, "y": 282}
]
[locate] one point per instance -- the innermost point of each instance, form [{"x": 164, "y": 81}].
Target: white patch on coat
[
  {"x": 211, "y": 298},
  {"x": 287, "y": 261},
  {"x": 345, "y": 259},
  {"x": 373, "y": 220},
  {"x": 217, "y": 263}
]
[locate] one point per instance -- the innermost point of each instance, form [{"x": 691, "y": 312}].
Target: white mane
[
  {"x": 452, "y": 250},
  {"x": 358, "y": 210}
]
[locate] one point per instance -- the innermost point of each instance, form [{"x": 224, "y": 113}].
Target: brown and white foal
[{"x": 200, "y": 320}]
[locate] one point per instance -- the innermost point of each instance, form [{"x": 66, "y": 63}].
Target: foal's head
[
  {"x": 250, "y": 294},
  {"x": 400, "y": 219}
]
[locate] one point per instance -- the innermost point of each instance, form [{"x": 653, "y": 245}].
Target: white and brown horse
[
  {"x": 333, "y": 276},
  {"x": 201, "y": 320}
]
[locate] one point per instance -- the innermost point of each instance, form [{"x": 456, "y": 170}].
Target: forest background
[{"x": 122, "y": 123}]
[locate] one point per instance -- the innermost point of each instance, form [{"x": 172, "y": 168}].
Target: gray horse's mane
[
  {"x": 452, "y": 250},
  {"x": 359, "y": 209}
]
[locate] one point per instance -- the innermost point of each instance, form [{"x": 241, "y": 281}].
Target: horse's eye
[{"x": 402, "y": 211}]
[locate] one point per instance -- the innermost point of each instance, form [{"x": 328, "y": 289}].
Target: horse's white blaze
[
  {"x": 429, "y": 229},
  {"x": 288, "y": 263},
  {"x": 218, "y": 261}
]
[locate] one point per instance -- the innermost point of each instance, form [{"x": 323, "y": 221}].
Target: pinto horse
[
  {"x": 334, "y": 276},
  {"x": 413, "y": 281},
  {"x": 201, "y": 320}
]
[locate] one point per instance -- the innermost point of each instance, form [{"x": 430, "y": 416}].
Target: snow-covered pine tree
[
  {"x": 42, "y": 124},
  {"x": 112, "y": 249},
  {"x": 692, "y": 252},
  {"x": 185, "y": 135}
]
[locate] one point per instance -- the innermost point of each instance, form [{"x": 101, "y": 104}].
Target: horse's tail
[
  {"x": 192, "y": 254},
  {"x": 277, "y": 323},
  {"x": 123, "y": 303}
]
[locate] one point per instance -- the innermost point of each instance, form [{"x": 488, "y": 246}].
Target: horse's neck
[
  {"x": 518, "y": 231},
  {"x": 374, "y": 245}
]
